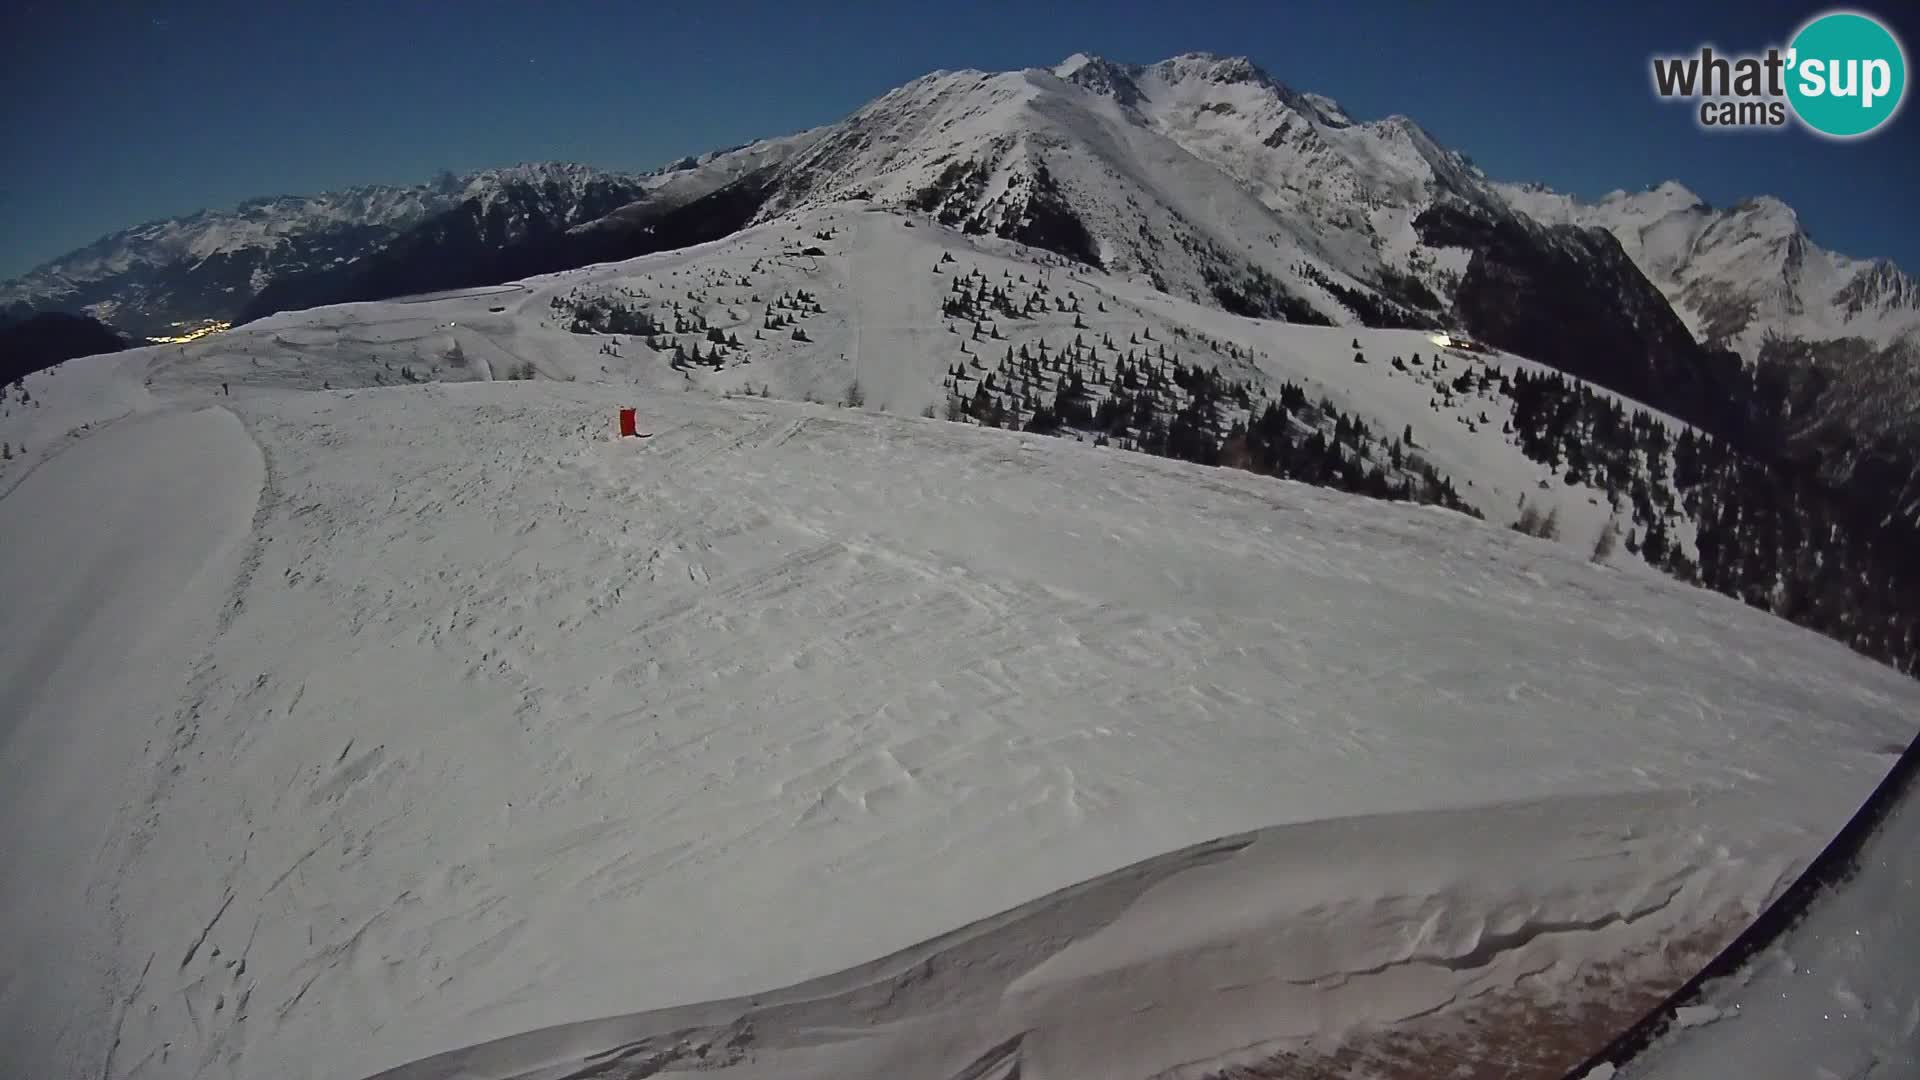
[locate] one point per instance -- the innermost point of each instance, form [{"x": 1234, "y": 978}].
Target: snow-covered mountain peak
[
  {"x": 1675, "y": 193},
  {"x": 1073, "y": 65},
  {"x": 564, "y": 175},
  {"x": 943, "y": 129},
  {"x": 1238, "y": 82},
  {"x": 533, "y": 171},
  {"x": 1214, "y": 68},
  {"x": 1201, "y": 173},
  {"x": 1668, "y": 194},
  {"x": 1880, "y": 284},
  {"x": 1742, "y": 274},
  {"x": 1201, "y": 73},
  {"x": 1186, "y": 67},
  {"x": 1767, "y": 216},
  {"x": 1101, "y": 76},
  {"x": 1418, "y": 160},
  {"x": 1300, "y": 153},
  {"x": 1401, "y": 125},
  {"x": 966, "y": 90},
  {"x": 1331, "y": 112}
]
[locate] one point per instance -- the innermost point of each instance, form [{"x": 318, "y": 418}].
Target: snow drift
[{"x": 1376, "y": 934}]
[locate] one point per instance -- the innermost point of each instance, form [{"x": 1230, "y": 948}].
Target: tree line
[{"x": 1775, "y": 538}]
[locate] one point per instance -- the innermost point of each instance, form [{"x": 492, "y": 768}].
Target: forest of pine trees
[
  {"x": 1769, "y": 536},
  {"x": 601, "y": 315},
  {"x": 1170, "y": 409},
  {"x": 1142, "y": 396},
  {"x": 607, "y": 315}
]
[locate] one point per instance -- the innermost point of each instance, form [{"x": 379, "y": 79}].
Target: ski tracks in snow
[{"x": 136, "y": 534}]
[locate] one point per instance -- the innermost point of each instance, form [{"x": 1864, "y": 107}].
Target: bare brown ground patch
[{"x": 1517, "y": 1033}]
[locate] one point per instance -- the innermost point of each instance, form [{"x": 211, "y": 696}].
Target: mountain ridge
[
  {"x": 154, "y": 277},
  {"x": 1743, "y": 271}
]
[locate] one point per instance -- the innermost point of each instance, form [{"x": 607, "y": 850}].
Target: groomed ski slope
[
  {"x": 117, "y": 560},
  {"x": 504, "y": 724}
]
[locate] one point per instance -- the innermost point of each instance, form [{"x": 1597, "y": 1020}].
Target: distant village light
[{"x": 195, "y": 334}]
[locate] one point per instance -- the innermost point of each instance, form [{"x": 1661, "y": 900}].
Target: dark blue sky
[{"x": 115, "y": 113}]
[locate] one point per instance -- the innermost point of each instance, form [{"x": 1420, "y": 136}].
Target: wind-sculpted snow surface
[
  {"x": 1329, "y": 934},
  {"x": 507, "y": 724}
]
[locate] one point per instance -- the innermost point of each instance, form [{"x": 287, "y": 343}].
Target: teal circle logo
[{"x": 1846, "y": 74}]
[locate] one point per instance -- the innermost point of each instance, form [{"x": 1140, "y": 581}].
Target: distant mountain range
[
  {"x": 1201, "y": 174},
  {"x": 155, "y": 278},
  {"x": 162, "y": 277},
  {"x": 535, "y": 222}
]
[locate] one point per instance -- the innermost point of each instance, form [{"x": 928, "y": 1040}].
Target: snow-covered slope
[
  {"x": 880, "y": 280},
  {"x": 432, "y": 714}
]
